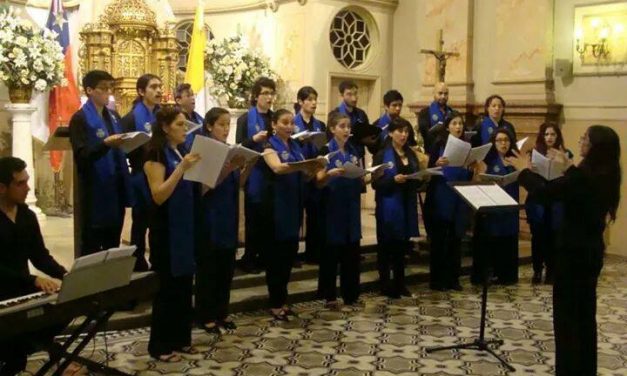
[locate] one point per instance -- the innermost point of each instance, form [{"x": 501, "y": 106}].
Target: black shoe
[
  {"x": 405, "y": 292},
  {"x": 211, "y": 328},
  {"x": 537, "y": 278},
  {"x": 228, "y": 325}
]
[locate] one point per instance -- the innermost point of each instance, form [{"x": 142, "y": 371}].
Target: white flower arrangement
[
  {"x": 29, "y": 57},
  {"x": 234, "y": 68}
]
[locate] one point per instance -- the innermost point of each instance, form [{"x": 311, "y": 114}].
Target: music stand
[{"x": 480, "y": 200}]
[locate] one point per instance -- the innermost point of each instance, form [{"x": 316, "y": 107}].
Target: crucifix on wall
[{"x": 440, "y": 55}]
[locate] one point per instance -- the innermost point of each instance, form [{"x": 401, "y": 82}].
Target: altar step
[{"x": 249, "y": 291}]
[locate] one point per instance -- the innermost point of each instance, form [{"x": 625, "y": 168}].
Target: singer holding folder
[
  {"x": 449, "y": 214},
  {"x": 282, "y": 205},
  {"x": 396, "y": 207},
  {"x": 496, "y": 234},
  {"x": 104, "y": 188},
  {"x": 140, "y": 119},
  {"x": 218, "y": 235},
  {"x": 590, "y": 193},
  {"x": 341, "y": 218},
  {"x": 172, "y": 235}
]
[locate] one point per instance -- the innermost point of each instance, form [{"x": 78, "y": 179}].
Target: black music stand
[
  {"x": 91, "y": 280},
  {"x": 481, "y": 343}
]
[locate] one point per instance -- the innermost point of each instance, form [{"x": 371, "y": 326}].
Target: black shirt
[
  {"x": 241, "y": 133},
  {"x": 84, "y": 153},
  {"x": 21, "y": 242}
]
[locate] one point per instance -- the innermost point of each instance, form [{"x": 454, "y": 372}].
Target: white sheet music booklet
[
  {"x": 461, "y": 154},
  {"x": 480, "y": 196}
]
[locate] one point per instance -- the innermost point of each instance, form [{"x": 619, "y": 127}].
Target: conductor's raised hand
[
  {"x": 519, "y": 161},
  {"x": 559, "y": 156},
  {"x": 189, "y": 160},
  {"x": 260, "y": 136},
  {"x": 113, "y": 141}
]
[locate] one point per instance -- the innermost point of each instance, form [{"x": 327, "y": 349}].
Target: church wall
[{"x": 591, "y": 100}]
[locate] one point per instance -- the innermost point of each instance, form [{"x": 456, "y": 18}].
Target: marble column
[{"x": 21, "y": 115}]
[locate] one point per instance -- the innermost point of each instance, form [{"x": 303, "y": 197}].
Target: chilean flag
[{"x": 64, "y": 100}]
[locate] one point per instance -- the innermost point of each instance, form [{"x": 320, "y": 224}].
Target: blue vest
[
  {"x": 180, "y": 220},
  {"x": 447, "y": 205},
  {"x": 107, "y": 202},
  {"x": 436, "y": 115},
  {"x": 254, "y": 184},
  {"x": 502, "y": 224},
  {"x": 396, "y": 213},
  {"x": 144, "y": 118},
  {"x": 341, "y": 200},
  {"x": 221, "y": 214},
  {"x": 287, "y": 193}
]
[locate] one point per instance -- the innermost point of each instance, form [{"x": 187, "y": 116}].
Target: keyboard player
[{"x": 21, "y": 241}]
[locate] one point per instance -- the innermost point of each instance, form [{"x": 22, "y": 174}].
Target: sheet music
[
  {"x": 119, "y": 252},
  {"x": 541, "y": 164},
  {"x": 478, "y": 154},
  {"x": 133, "y": 140},
  {"x": 385, "y": 166},
  {"x": 524, "y": 143},
  {"x": 485, "y": 195},
  {"x": 241, "y": 151},
  {"x": 85, "y": 261},
  {"x": 315, "y": 137},
  {"x": 321, "y": 161},
  {"x": 351, "y": 171},
  {"x": 191, "y": 126},
  {"x": 213, "y": 154},
  {"x": 501, "y": 180},
  {"x": 424, "y": 173},
  {"x": 456, "y": 151}
]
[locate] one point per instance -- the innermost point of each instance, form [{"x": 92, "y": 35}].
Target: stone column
[{"x": 21, "y": 115}]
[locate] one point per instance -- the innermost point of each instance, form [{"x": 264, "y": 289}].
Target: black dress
[{"x": 578, "y": 262}]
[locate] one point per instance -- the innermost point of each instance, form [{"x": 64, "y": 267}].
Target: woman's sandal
[
  {"x": 228, "y": 325},
  {"x": 280, "y": 316},
  {"x": 288, "y": 311},
  {"x": 169, "y": 358}
]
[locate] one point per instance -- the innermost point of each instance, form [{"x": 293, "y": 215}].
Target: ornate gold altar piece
[{"x": 127, "y": 42}]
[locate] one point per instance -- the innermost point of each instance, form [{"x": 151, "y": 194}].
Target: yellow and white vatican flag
[{"x": 195, "y": 73}]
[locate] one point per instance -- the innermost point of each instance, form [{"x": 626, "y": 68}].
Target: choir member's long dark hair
[
  {"x": 302, "y": 95},
  {"x": 441, "y": 138},
  {"x": 541, "y": 143},
  {"x": 602, "y": 164},
  {"x": 164, "y": 117},
  {"x": 399, "y": 123}
]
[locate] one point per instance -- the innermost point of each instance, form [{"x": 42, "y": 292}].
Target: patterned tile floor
[{"x": 389, "y": 337}]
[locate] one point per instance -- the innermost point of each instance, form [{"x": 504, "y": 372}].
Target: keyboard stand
[{"x": 85, "y": 332}]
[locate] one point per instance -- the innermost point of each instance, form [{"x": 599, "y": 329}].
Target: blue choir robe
[
  {"x": 109, "y": 173},
  {"x": 507, "y": 223},
  {"x": 446, "y": 205},
  {"x": 286, "y": 192},
  {"x": 488, "y": 126},
  {"x": 255, "y": 182},
  {"x": 396, "y": 211},
  {"x": 341, "y": 199},
  {"x": 181, "y": 219}
]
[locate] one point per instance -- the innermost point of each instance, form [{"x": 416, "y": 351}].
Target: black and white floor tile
[{"x": 388, "y": 337}]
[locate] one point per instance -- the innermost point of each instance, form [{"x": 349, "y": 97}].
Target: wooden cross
[{"x": 440, "y": 55}]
